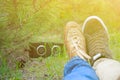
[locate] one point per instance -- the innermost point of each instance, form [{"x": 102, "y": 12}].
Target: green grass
[
  {"x": 47, "y": 25},
  {"x": 6, "y": 73},
  {"x": 55, "y": 65},
  {"x": 115, "y": 44},
  {"x": 50, "y": 68}
]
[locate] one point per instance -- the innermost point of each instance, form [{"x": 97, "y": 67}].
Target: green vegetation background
[{"x": 24, "y": 21}]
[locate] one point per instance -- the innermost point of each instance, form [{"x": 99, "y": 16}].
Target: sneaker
[
  {"x": 75, "y": 41},
  {"x": 97, "y": 38}
]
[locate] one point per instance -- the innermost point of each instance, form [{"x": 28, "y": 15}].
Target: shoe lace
[{"x": 77, "y": 46}]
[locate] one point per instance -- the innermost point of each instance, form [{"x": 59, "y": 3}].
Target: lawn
[{"x": 25, "y": 21}]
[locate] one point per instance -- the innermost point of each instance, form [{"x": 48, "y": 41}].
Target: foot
[
  {"x": 96, "y": 35},
  {"x": 75, "y": 41}
]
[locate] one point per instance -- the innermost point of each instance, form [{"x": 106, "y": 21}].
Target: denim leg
[{"x": 78, "y": 69}]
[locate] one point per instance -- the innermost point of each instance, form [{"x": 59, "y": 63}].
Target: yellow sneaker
[
  {"x": 96, "y": 35},
  {"x": 75, "y": 41}
]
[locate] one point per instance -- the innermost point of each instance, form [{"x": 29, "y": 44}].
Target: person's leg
[
  {"x": 96, "y": 35},
  {"x": 107, "y": 69},
  {"x": 77, "y": 68}
]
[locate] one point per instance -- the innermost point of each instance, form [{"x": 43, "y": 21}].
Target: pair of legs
[{"x": 89, "y": 44}]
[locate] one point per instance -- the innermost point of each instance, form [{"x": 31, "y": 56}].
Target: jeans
[{"x": 78, "y": 69}]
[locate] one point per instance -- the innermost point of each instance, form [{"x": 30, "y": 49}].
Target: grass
[
  {"x": 55, "y": 65},
  {"x": 50, "y": 68},
  {"x": 6, "y": 73},
  {"x": 115, "y": 44},
  {"x": 47, "y": 25}
]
